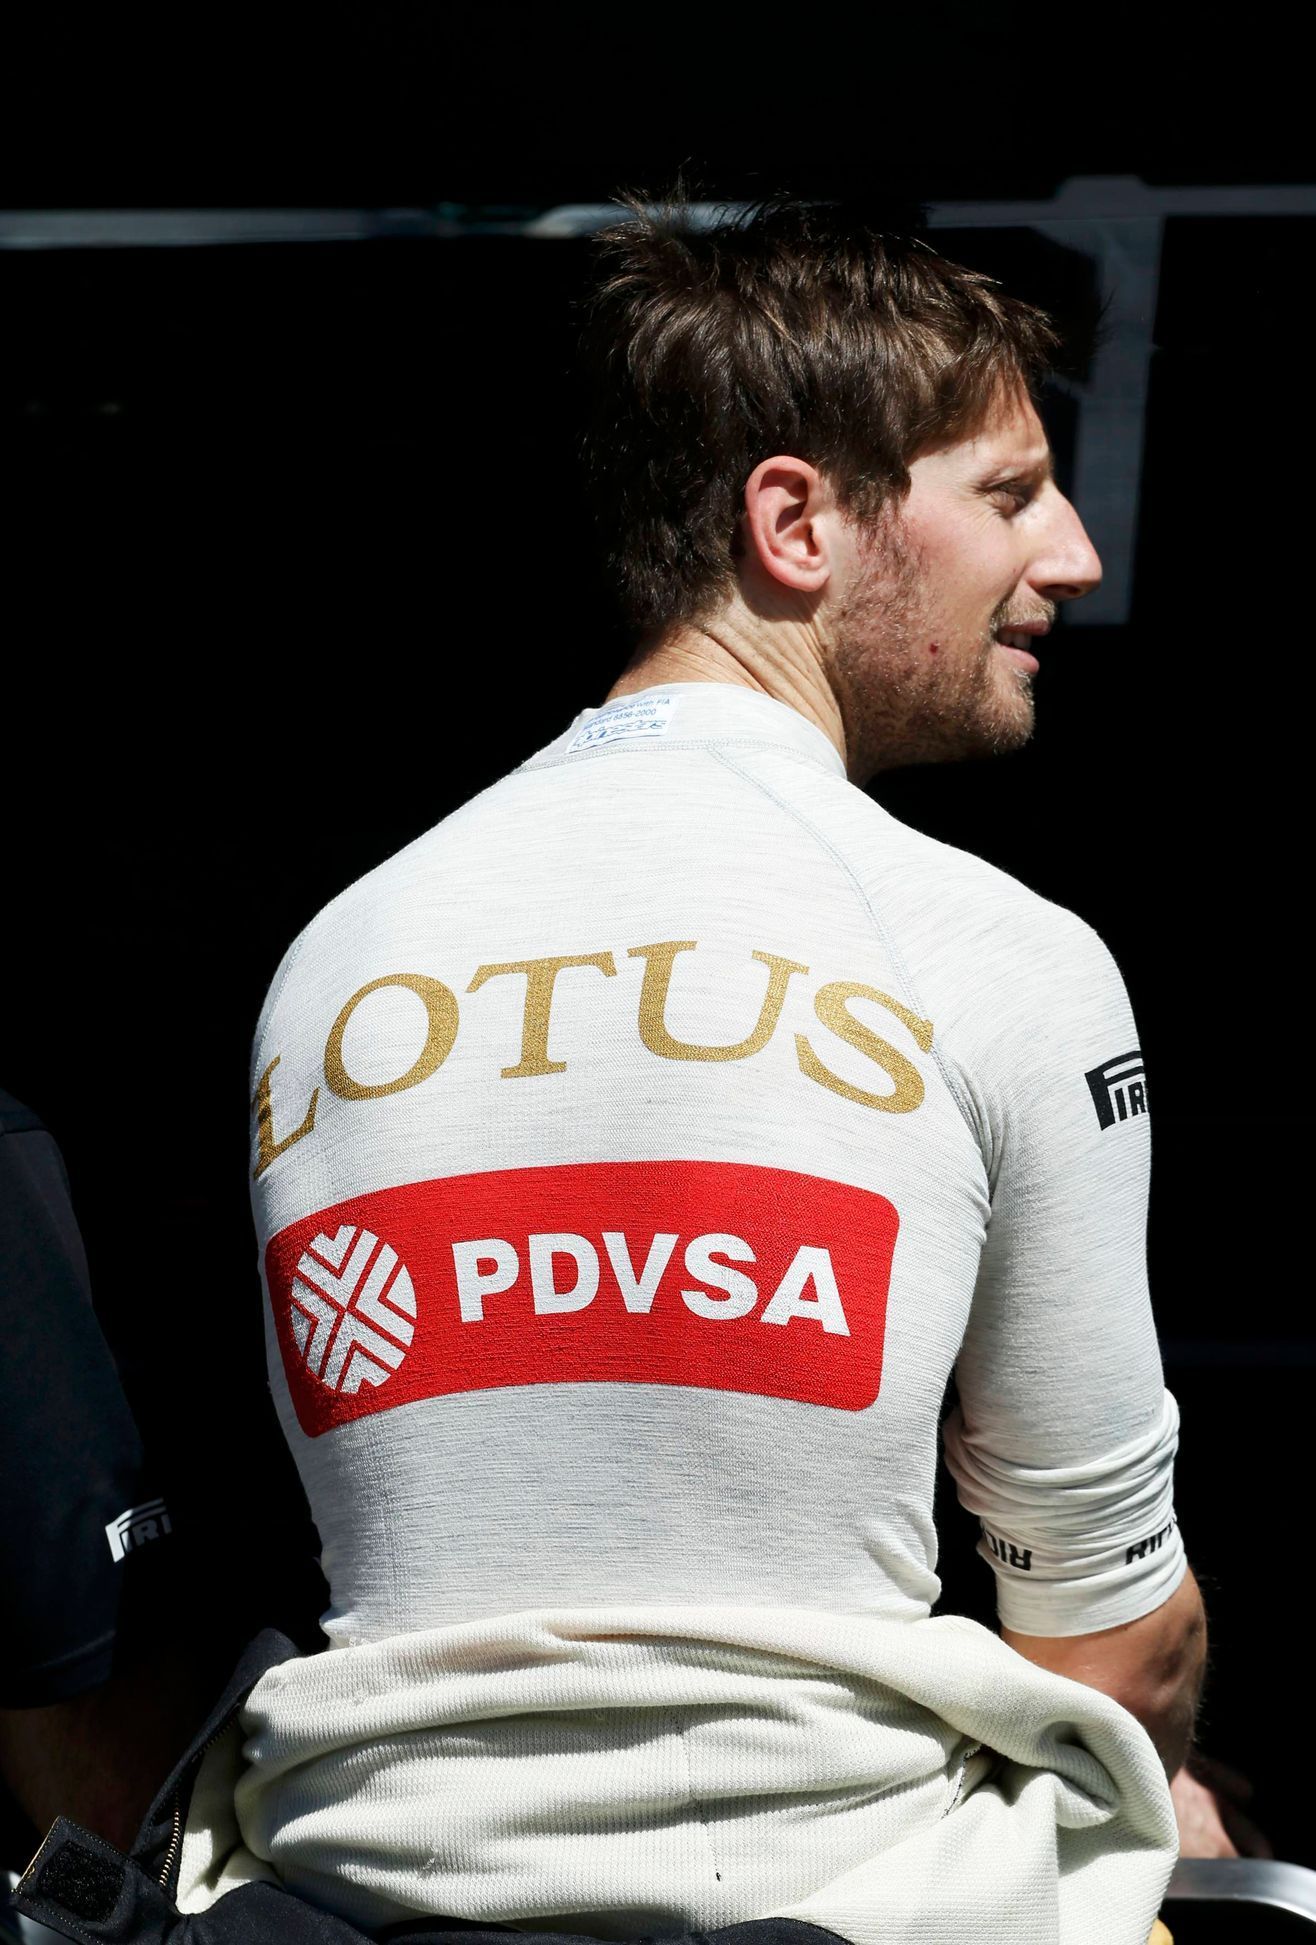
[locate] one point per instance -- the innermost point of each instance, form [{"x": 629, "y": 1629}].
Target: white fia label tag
[{"x": 645, "y": 716}]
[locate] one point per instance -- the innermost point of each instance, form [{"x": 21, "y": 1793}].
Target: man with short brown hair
[{"x": 636, "y": 1155}]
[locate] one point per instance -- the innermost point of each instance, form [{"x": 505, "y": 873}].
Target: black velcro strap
[{"x": 83, "y": 1881}]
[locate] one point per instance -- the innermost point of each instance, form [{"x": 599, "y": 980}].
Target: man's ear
[{"x": 786, "y": 526}]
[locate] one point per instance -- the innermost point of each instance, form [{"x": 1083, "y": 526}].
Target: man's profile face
[{"x": 983, "y": 542}]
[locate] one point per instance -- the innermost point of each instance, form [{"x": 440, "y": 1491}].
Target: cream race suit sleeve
[{"x": 1064, "y": 1439}]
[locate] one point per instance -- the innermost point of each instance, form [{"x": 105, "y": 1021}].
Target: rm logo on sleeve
[{"x": 1119, "y": 1089}]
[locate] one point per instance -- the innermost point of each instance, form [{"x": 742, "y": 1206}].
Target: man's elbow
[{"x": 1152, "y": 1666}]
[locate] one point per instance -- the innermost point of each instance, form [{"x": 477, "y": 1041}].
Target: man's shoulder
[
  {"x": 940, "y": 889},
  {"x": 997, "y": 962},
  {"x": 369, "y": 905},
  {"x": 16, "y": 1119},
  {"x": 994, "y": 961},
  {"x": 972, "y": 887}
]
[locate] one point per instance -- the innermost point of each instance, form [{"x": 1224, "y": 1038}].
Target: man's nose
[{"x": 1070, "y": 565}]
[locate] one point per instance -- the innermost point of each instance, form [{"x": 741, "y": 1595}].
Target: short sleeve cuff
[
  {"x": 61, "y": 1678},
  {"x": 1079, "y": 1547},
  {"x": 1105, "y": 1600}
]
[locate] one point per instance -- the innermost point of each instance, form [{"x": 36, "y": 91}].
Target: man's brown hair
[{"x": 782, "y": 327}]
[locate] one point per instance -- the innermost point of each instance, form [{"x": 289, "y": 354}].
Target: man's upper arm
[{"x": 1064, "y": 1439}]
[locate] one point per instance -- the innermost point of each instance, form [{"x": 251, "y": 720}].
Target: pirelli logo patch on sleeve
[
  {"x": 712, "y": 1274},
  {"x": 1118, "y": 1089}
]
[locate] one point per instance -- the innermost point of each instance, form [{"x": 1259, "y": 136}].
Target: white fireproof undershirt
[{"x": 1002, "y": 1118}]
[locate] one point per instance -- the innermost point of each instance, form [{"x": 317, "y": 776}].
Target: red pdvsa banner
[{"x": 714, "y": 1274}]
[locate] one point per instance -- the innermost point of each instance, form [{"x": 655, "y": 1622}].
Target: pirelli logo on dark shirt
[{"x": 1118, "y": 1089}]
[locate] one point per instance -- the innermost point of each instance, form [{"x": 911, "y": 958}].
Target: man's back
[{"x": 637, "y": 1154}]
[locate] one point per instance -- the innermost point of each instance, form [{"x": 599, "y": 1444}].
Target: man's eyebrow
[
  {"x": 990, "y": 478},
  {"x": 1043, "y": 468}
]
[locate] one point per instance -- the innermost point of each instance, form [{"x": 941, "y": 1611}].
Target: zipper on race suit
[
  {"x": 973, "y": 1749},
  {"x": 192, "y": 1772}
]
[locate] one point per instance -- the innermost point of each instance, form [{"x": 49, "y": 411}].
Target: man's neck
[{"x": 788, "y": 670}]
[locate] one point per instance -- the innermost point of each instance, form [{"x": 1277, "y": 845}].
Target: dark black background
[{"x": 296, "y": 561}]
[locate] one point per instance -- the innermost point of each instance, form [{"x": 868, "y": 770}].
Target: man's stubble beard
[{"x": 900, "y": 705}]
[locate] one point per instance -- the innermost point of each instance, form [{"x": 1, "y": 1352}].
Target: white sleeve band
[{"x": 1081, "y": 1547}]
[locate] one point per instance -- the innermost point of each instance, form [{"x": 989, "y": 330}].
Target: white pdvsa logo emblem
[{"x": 353, "y": 1309}]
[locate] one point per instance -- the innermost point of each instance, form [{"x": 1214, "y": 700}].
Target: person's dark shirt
[{"x": 78, "y": 1503}]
